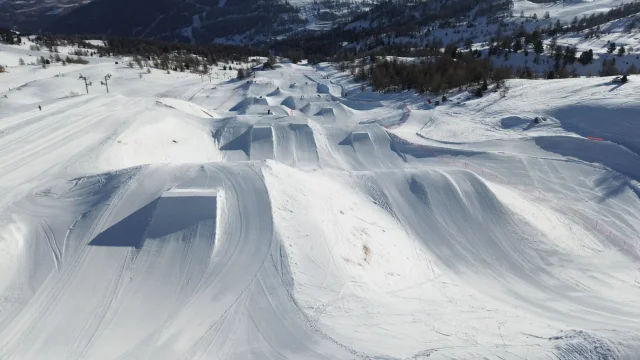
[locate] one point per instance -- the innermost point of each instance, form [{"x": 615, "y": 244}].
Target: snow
[
  {"x": 176, "y": 218},
  {"x": 565, "y": 10},
  {"x": 485, "y": 30},
  {"x": 96, "y": 42}
]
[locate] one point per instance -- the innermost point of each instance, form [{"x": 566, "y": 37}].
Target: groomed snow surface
[{"x": 175, "y": 219}]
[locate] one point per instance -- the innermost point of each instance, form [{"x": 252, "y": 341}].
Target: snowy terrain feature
[{"x": 274, "y": 218}]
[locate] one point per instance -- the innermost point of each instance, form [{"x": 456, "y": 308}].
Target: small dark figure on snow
[
  {"x": 624, "y": 79},
  {"x": 40, "y": 107},
  {"x": 268, "y": 111}
]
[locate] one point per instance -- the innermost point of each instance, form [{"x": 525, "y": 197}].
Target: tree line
[
  {"x": 9, "y": 37},
  {"x": 152, "y": 49},
  {"x": 449, "y": 70}
]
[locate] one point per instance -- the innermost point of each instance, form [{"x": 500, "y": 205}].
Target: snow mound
[
  {"x": 295, "y": 145},
  {"x": 294, "y": 103},
  {"x": 331, "y": 89},
  {"x": 276, "y": 92},
  {"x": 157, "y": 137},
  {"x": 256, "y": 89},
  {"x": 171, "y": 214},
  {"x": 327, "y": 111},
  {"x": 243, "y": 106},
  {"x": 244, "y": 141},
  {"x": 188, "y": 108}
]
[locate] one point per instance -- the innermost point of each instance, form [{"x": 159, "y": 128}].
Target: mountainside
[
  {"x": 298, "y": 214},
  {"x": 359, "y": 25},
  {"x": 187, "y": 21},
  {"x": 204, "y": 21},
  {"x": 33, "y": 15}
]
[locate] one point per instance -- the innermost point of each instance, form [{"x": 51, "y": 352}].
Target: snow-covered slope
[
  {"x": 565, "y": 10},
  {"x": 34, "y": 14},
  {"x": 176, "y": 219}
]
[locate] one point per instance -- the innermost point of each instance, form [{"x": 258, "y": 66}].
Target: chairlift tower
[
  {"x": 87, "y": 83},
  {"x": 106, "y": 81}
]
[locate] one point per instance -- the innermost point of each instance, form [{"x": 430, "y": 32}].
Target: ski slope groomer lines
[
  {"x": 245, "y": 236},
  {"x": 40, "y": 324},
  {"x": 244, "y": 292},
  {"x": 401, "y": 273},
  {"x": 545, "y": 180},
  {"x": 59, "y": 139},
  {"x": 406, "y": 113},
  {"x": 105, "y": 218},
  {"x": 189, "y": 265}
]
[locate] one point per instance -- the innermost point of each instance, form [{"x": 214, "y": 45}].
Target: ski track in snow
[{"x": 180, "y": 221}]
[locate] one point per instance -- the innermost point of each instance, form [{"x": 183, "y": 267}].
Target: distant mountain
[
  {"x": 199, "y": 21},
  {"x": 245, "y": 22},
  {"x": 204, "y": 21},
  {"x": 33, "y": 15}
]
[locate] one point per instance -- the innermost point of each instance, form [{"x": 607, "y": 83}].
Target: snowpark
[{"x": 275, "y": 218}]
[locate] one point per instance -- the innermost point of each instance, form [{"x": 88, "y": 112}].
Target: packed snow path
[{"x": 275, "y": 218}]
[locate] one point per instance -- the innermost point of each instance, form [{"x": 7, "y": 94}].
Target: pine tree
[
  {"x": 586, "y": 57},
  {"x": 551, "y": 47},
  {"x": 621, "y": 51},
  {"x": 558, "y": 53},
  {"x": 538, "y": 47},
  {"x": 574, "y": 22},
  {"x": 570, "y": 54},
  {"x": 517, "y": 45}
]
